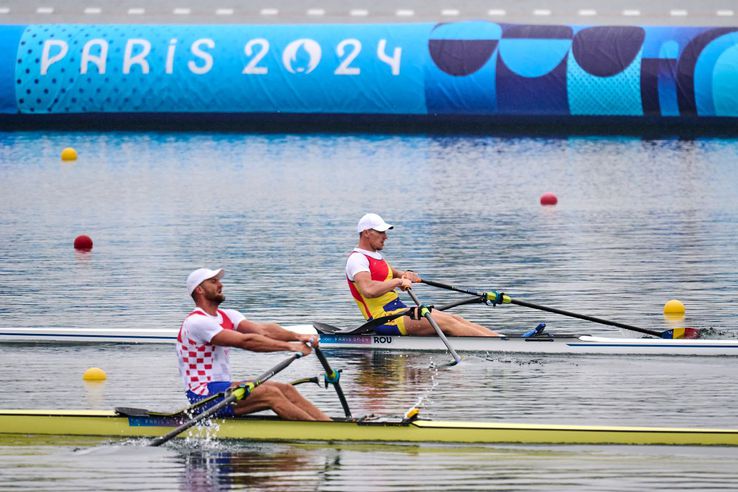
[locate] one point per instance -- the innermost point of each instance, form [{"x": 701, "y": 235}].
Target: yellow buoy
[
  {"x": 94, "y": 374},
  {"x": 69, "y": 154},
  {"x": 674, "y": 308}
]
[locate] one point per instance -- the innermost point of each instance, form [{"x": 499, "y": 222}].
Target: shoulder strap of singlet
[{"x": 227, "y": 324}]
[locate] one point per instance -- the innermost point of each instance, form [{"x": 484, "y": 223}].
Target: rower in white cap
[
  {"x": 203, "y": 343},
  {"x": 372, "y": 281}
]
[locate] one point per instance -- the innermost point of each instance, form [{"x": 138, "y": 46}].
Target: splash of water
[{"x": 424, "y": 400}]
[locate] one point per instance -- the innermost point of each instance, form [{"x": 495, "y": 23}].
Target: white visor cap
[
  {"x": 200, "y": 275},
  {"x": 372, "y": 221}
]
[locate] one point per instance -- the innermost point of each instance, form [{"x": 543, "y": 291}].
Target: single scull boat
[
  {"x": 133, "y": 423},
  {"x": 543, "y": 343}
]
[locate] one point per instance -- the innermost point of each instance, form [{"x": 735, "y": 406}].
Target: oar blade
[
  {"x": 691, "y": 333},
  {"x": 455, "y": 361},
  {"x": 685, "y": 333}
]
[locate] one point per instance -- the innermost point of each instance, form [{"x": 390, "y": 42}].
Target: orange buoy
[{"x": 83, "y": 243}]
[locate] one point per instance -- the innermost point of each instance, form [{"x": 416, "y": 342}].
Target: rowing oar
[
  {"x": 190, "y": 408},
  {"x": 241, "y": 391},
  {"x": 312, "y": 379},
  {"x": 425, "y": 312},
  {"x": 332, "y": 377},
  {"x": 374, "y": 322},
  {"x": 502, "y": 298}
]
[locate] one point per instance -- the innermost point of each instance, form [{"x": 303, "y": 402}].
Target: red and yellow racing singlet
[{"x": 374, "y": 307}]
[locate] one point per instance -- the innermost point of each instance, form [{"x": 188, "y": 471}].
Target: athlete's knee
[
  {"x": 443, "y": 316},
  {"x": 282, "y": 391},
  {"x": 268, "y": 391},
  {"x": 276, "y": 385},
  {"x": 452, "y": 319},
  {"x": 290, "y": 392}
]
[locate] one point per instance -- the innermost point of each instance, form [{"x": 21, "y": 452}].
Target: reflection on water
[
  {"x": 236, "y": 466},
  {"x": 275, "y": 467},
  {"x": 659, "y": 391},
  {"x": 638, "y": 223}
]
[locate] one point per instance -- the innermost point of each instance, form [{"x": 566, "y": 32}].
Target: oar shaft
[
  {"x": 236, "y": 394},
  {"x": 451, "y": 287},
  {"x": 471, "y": 300},
  {"x": 435, "y": 326},
  {"x": 549, "y": 309},
  {"x": 278, "y": 368},
  {"x": 209, "y": 412},
  {"x": 585, "y": 317},
  {"x": 373, "y": 323},
  {"x": 333, "y": 375}
]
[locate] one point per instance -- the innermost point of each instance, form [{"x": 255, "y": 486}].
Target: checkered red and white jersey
[{"x": 201, "y": 362}]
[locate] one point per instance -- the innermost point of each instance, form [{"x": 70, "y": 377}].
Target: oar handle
[
  {"x": 425, "y": 312},
  {"x": 332, "y": 377}
]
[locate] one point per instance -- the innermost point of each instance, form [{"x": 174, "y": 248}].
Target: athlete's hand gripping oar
[
  {"x": 332, "y": 377},
  {"x": 502, "y": 298},
  {"x": 425, "y": 312},
  {"x": 238, "y": 393}
]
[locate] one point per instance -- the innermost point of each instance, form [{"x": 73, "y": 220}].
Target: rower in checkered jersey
[{"x": 205, "y": 338}]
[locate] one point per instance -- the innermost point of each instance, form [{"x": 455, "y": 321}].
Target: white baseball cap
[
  {"x": 372, "y": 221},
  {"x": 200, "y": 275}
]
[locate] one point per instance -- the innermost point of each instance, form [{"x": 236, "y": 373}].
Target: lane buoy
[
  {"x": 69, "y": 154},
  {"x": 549, "y": 198},
  {"x": 83, "y": 243},
  {"x": 94, "y": 374},
  {"x": 674, "y": 307}
]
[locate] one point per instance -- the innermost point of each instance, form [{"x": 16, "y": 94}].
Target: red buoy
[
  {"x": 549, "y": 198},
  {"x": 83, "y": 243}
]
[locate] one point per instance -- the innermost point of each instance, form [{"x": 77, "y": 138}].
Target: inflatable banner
[{"x": 457, "y": 69}]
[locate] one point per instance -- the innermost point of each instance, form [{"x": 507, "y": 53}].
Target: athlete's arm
[
  {"x": 375, "y": 288},
  {"x": 257, "y": 343},
  {"x": 275, "y": 331}
]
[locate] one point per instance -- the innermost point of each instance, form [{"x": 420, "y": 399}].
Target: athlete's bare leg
[
  {"x": 282, "y": 401},
  {"x": 452, "y": 325},
  {"x": 291, "y": 393}
]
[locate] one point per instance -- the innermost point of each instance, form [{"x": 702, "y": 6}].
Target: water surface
[{"x": 638, "y": 222}]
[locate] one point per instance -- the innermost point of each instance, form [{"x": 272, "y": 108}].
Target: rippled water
[
  {"x": 638, "y": 222},
  {"x": 234, "y": 466}
]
